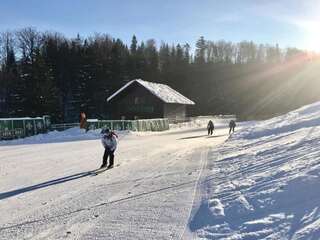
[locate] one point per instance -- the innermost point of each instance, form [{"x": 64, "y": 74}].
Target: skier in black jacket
[
  {"x": 109, "y": 142},
  {"x": 210, "y": 127},
  {"x": 232, "y": 125}
]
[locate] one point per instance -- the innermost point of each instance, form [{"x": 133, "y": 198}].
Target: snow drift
[
  {"x": 77, "y": 134},
  {"x": 264, "y": 182},
  {"x": 72, "y": 134}
]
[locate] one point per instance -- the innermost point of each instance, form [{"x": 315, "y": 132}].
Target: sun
[
  {"x": 312, "y": 43},
  {"x": 312, "y": 37}
]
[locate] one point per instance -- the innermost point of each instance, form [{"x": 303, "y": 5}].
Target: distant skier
[
  {"x": 83, "y": 120},
  {"x": 210, "y": 127},
  {"x": 109, "y": 142},
  {"x": 232, "y": 125}
]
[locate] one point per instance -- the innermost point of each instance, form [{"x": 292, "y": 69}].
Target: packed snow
[
  {"x": 260, "y": 183},
  {"x": 72, "y": 134},
  {"x": 263, "y": 183},
  {"x": 47, "y": 190}
]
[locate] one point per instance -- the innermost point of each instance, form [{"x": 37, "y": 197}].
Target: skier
[
  {"x": 83, "y": 120},
  {"x": 210, "y": 127},
  {"x": 232, "y": 125},
  {"x": 109, "y": 142}
]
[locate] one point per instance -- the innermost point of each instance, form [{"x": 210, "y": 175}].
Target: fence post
[
  {"x": 34, "y": 127},
  {"x": 24, "y": 127}
]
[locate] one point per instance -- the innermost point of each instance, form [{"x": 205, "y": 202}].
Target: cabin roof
[{"x": 162, "y": 91}]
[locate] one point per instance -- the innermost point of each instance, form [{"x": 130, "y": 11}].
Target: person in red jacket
[{"x": 83, "y": 120}]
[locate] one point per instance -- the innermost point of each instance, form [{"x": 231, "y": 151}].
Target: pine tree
[
  {"x": 201, "y": 47},
  {"x": 186, "y": 48},
  {"x": 133, "y": 59},
  {"x": 9, "y": 89},
  {"x": 133, "y": 46},
  {"x": 141, "y": 61},
  {"x": 151, "y": 72},
  {"x": 45, "y": 98},
  {"x": 164, "y": 58},
  {"x": 179, "y": 55}
]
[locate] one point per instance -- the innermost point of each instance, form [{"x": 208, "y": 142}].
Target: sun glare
[
  {"x": 311, "y": 36},
  {"x": 312, "y": 43}
]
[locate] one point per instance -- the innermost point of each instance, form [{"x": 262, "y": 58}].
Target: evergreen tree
[
  {"x": 164, "y": 58},
  {"x": 141, "y": 61},
  {"x": 44, "y": 95},
  {"x": 151, "y": 72},
  {"x": 186, "y": 53},
  {"x": 133, "y": 46},
  {"x": 133, "y": 59},
  {"x": 201, "y": 47}
]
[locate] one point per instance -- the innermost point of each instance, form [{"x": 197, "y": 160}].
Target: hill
[{"x": 264, "y": 181}]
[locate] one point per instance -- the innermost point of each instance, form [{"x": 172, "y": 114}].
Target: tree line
[{"x": 48, "y": 73}]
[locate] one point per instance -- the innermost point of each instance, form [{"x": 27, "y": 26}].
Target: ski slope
[
  {"x": 264, "y": 182},
  {"x": 261, "y": 183},
  {"x": 47, "y": 191}
]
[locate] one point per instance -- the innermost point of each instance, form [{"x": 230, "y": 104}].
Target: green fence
[
  {"x": 63, "y": 126},
  {"x": 132, "y": 125},
  {"x": 11, "y": 128}
]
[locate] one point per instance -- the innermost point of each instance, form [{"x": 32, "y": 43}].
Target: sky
[{"x": 290, "y": 23}]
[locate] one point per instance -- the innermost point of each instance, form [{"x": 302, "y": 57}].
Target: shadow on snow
[{"x": 13, "y": 193}]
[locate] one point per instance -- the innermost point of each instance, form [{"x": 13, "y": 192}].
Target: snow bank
[
  {"x": 202, "y": 121},
  {"x": 265, "y": 181},
  {"x": 72, "y": 134},
  {"x": 77, "y": 134}
]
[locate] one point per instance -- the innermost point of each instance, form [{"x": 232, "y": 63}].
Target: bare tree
[
  {"x": 7, "y": 46},
  {"x": 28, "y": 40}
]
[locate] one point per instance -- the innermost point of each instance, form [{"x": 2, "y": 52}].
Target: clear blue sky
[{"x": 287, "y": 22}]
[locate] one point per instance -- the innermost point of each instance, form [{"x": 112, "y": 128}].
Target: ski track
[
  {"x": 263, "y": 182},
  {"x": 146, "y": 197}
]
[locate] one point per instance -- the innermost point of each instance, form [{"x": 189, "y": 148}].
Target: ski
[{"x": 101, "y": 170}]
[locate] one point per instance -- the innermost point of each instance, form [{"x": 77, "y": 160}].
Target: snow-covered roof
[
  {"x": 162, "y": 91},
  {"x": 22, "y": 118}
]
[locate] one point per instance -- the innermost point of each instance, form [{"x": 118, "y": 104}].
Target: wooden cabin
[{"x": 139, "y": 99}]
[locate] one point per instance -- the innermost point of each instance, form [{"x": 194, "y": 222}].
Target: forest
[{"x": 46, "y": 73}]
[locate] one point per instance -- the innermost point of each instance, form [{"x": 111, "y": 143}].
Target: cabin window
[{"x": 139, "y": 100}]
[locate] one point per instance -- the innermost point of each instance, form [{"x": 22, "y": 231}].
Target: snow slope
[
  {"x": 264, "y": 182},
  {"x": 47, "y": 191}
]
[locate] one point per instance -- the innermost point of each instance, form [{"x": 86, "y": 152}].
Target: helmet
[{"x": 105, "y": 131}]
